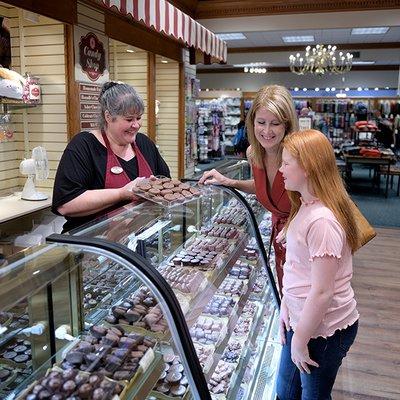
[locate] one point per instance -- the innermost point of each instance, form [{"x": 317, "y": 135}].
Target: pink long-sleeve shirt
[{"x": 315, "y": 232}]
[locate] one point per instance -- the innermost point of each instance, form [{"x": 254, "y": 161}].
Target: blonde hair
[
  {"x": 277, "y": 100},
  {"x": 315, "y": 155}
]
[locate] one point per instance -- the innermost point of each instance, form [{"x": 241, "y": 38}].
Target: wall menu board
[{"x": 89, "y": 105}]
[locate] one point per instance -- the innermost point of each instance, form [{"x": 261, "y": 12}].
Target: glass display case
[{"x": 149, "y": 302}]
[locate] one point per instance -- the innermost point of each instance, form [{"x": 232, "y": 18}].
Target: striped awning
[{"x": 164, "y": 17}]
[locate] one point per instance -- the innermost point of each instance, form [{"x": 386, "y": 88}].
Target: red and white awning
[{"x": 164, "y": 17}]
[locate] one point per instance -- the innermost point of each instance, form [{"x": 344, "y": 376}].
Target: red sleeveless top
[{"x": 278, "y": 203}]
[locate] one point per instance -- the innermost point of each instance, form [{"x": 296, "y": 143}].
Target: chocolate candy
[
  {"x": 220, "y": 306},
  {"x": 167, "y": 190},
  {"x": 112, "y": 354},
  {"x": 232, "y": 216},
  {"x": 10, "y": 355},
  {"x": 219, "y": 382},
  {"x": 21, "y": 358},
  {"x": 183, "y": 279},
  {"x": 178, "y": 390},
  {"x": 4, "y": 374},
  {"x": 206, "y": 330},
  {"x": 172, "y": 382},
  {"x": 20, "y": 348},
  {"x": 231, "y": 287}
]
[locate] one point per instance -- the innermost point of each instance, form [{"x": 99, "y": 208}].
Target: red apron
[{"x": 116, "y": 181}]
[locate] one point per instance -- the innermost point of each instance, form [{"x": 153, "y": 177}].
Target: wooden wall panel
[
  {"x": 37, "y": 48},
  {"x": 167, "y": 92},
  {"x": 91, "y": 18},
  {"x": 130, "y": 68}
]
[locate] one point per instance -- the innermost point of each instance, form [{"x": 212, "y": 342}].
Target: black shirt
[{"x": 83, "y": 167}]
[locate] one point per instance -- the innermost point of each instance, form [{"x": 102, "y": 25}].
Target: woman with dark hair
[{"x": 99, "y": 168}]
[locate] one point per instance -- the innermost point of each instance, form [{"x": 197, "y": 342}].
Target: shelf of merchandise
[
  {"x": 203, "y": 297},
  {"x": 257, "y": 326},
  {"x": 138, "y": 388},
  {"x": 219, "y": 350}
]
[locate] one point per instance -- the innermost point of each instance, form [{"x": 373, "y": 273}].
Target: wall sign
[
  {"x": 91, "y": 56},
  {"x": 89, "y": 105},
  {"x": 305, "y": 123}
]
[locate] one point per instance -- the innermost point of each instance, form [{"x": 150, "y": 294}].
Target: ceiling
[{"x": 264, "y": 22}]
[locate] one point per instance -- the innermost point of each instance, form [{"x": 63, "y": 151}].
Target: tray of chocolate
[
  {"x": 166, "y": 191},
  {"x": 5, "y": 318},
  {"x": 18, "y": 351},
  {"x": 220, "y": 306},
  {"x": 209, "y": 330},
  {"x": 100, "y": 290},
  {"x": 188, "y": 281},
  {"x": 222, "y": 231},
  {"x": 232, "y": 351},
  {"x": 109, "y": 351},
  {"x": 242, "y": 329},
  {"x": 139, "y": 312},
  {"x": 231, "y": 216},
  {"x": 205, "y": 353},
  {"x": 8, "y": 373},
  {"x": 250, "y": 254},
  {"x": 232, "y": 287},
  {"x": 173, "y": 382},
  {"x": 73, "y": 384},
  {"x": 250, "y": 308},
  {"x": 241, "y": 270},
  {"x": 220, "y": 379}
]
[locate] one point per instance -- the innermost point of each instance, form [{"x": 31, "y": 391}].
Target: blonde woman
[
  {"x": 271, "y": 117},
  {"x": 319, "y": 319}
]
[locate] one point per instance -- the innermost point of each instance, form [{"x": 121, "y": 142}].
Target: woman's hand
[
  {"x": 300, "y": 355},
  {"x": 283, "y": 322},
  {"x": 127, "y": 190},
  {"x": 214, "y": 177},
  {"x": 281, "y": 238}
]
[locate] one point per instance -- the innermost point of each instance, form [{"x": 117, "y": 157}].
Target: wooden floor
[{"x": 371, "y": 370}]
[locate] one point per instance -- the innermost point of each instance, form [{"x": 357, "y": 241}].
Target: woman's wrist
[{"x": 230, "y": 182}]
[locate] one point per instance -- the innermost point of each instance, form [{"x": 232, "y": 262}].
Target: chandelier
[{"x": 320, "y": 59}]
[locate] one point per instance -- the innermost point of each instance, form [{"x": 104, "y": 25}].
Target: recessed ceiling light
[
  {"x": 317, "y": 89},
  {"x": 333, "y": 89},
  {"x": 296, "y": 89},
  {"x": 370, "y": 31},
  {"x": 363, "y": 62},
  {"x": 386, "y": 87},
  {"x": 327, "y": 89},
  {"x": 346, "y": 89},
  {"x": 359, "y": 89},
  {"x": 238, "y": 89},
  {"x": 305, "y": 89},
  {"x": 230, "y": 36},
  {"x": 376, "y": 88},
  {"x": 298, "y": 39}
]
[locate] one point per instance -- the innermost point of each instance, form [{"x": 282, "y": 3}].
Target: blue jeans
[{"x": 328, "y": 353}]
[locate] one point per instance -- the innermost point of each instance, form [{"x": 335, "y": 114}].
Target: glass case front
[{"x": 151, "y": 302}]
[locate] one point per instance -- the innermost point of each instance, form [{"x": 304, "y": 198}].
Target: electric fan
[{"x": 37, "y": 168}]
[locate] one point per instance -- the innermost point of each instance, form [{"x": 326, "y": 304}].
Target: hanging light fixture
[{"x": 319, "y": 60}]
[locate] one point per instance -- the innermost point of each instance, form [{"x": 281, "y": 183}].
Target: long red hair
[{"x": 315, "y": 155}]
